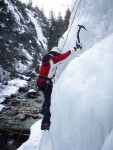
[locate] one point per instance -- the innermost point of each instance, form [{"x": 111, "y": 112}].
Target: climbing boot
[{"x": 45, "y": 126}]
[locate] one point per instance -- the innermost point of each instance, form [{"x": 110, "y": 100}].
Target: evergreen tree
[
  {"x": 30, "y": 4},
  {"x": 52, "y": 17},
  {"x": 52, "y": 31},
  {"x": 59, "y": 27},
  {"x": 66, "y": 20}
]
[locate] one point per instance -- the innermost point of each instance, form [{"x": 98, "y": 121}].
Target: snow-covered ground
[
  {"x": 34, "y": 139},
  {"x": 11, "y": 88},
  {"x": 82, "y": 97}
]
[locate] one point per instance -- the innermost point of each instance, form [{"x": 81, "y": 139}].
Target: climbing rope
[
  {"x": 21, "y": 131},
  {"x": 14, "y": 132},
  {"x": 51, "y": 140},
  {"x": 23, "y": 128},
  {"x": 9, "y": 130},
  {"x": 67, "y": 20},
  {"x": 72, "y": 21},
  {"x": 43, "y": 137}
]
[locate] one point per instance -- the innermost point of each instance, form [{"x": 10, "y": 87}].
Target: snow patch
[
  {"x": 40, "y": 35},
  {"x": 34, "y": 139},
  {"x": 1, "y": 107},
  {"x": 17, "y": 82},
  {"x": 11, "y": 88}
]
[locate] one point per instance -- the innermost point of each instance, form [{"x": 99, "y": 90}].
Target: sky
[{"x": 55, "y": 5}]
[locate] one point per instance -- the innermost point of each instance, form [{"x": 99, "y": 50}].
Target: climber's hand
[{"x": 78, "y": 45}]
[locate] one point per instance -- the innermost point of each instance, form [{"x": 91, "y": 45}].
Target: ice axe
[{"x": 78, "y": 36}]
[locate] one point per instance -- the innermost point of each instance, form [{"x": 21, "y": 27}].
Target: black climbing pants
[{"x": 46, "y": 88}]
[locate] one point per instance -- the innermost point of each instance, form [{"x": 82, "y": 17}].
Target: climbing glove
[{"x": 78, "y": 45}]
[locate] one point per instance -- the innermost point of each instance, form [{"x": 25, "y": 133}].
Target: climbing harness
[
  {"x": 78, "y": 36},
  {"x": 23, "y": 127},
  {"x": 48, "y": 80}
]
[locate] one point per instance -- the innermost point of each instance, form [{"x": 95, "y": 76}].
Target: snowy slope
[
  {"x": 82, "y": 97},
  {"x": 22, "y": 38},
  {"x": 95, "y": 16},
  {"x": 84, "y": 113},
  {"x": 40, "y": 37},
  {"x": 17, "y": 15}
]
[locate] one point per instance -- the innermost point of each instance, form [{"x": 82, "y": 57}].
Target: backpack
[{"x": 47, "y": 57}]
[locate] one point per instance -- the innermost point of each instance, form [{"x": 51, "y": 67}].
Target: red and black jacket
[{"x": 48, "y": 69}]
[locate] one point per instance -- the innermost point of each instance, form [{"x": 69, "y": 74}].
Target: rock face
[
  {"x": 31, "y": 93},
  {"x": 19, "y": 113},
  {"x": 20, "y": 47},
  {"x": 22, "y": 109}
]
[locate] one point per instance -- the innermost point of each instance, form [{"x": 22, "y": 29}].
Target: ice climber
[{"x": 47, "y": 71}]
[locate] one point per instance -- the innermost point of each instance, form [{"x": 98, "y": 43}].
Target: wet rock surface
[{"x": 20, "y": 112}]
